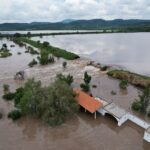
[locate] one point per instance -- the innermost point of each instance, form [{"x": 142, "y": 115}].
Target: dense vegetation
[
  {"x": 51, "y": 104},
  {"x": 143, "y": 103},
  {"x": 132, "y": 78},
  {"x": 47, "y": 49}
]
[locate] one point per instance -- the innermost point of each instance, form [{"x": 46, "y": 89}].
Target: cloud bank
[{"x": 57, "y": 10}]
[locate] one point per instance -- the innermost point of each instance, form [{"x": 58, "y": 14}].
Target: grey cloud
[{"x": 50, "y": 10}]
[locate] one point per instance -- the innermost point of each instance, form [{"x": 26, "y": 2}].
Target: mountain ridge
[{"x": 71, "y": 24}]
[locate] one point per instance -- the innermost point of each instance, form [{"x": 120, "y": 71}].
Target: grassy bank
[
  {"x": 132, "y": 78},
  {"x": 58, "y": 52}
]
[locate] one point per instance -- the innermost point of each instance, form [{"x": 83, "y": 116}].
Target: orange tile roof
[{"x": 88, "y": 102}]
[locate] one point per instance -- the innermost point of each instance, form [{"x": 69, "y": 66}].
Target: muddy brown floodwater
[{"x": 81, "y": 132}]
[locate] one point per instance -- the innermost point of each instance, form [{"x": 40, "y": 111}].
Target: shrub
[
  {"x": 19, "y": 53},
  {"x": 6, "y": 88},
  {"x": 18, "y": 95},
  {"x": 113, "y": 93},
  {"x": 32, "y": 63},
  {"x": 4, "y": 54},
  {"x": 64, "y": 64},
  {"x": 123, "y": 84},
  {"x": 9, "y": 96},
  {"x": 136, "y": 106},
  {"x": 15, "y": 115},
  {"x": 85, "y": 87},
  {"x": 94, "y": 86},
  {"x": 44, "y": 57},
  {"x": 104, "y": 68},
  {"x": 45, "y": 44},
  {"x": 51, "y": 59},
  {"x": 68, "y": 79}
]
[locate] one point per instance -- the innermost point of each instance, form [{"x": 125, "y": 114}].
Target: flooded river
[
  {"x": 129, "y": 50},
  {"x": 81, "y": 132}
]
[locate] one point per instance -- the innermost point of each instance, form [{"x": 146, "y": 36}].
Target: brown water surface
[{"x": 82, "y": 131}]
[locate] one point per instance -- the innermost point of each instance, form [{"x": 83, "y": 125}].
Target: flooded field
[
  {"x": 129, "y": 50},
  {"x": 81, "y": 132}
]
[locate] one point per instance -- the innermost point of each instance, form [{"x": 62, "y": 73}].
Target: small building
[
  {"x": 87, "y": 102},
  {"x": 147, "y": 135},
  {"x": 118, "y": 113}
]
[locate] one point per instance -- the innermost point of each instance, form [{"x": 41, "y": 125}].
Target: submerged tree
[
  {"x": 52, "y": 104},
  {"x": 68, "y": 79},
  {"x": 86, "y": 85}
]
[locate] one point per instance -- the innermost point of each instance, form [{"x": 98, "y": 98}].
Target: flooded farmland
[
  {"x": 129, "y": 50},
  {"x": 79, "y": 132}
]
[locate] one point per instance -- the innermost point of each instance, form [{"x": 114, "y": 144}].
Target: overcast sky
[{"x": 57, "y": 10}]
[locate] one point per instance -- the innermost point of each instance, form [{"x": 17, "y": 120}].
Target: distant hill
[{"x": 70, "y": 24}]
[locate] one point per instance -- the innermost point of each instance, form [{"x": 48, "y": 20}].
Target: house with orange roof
[{"x": 88, "y": 102}]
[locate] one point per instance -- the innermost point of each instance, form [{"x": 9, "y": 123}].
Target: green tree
[
  {"x": 52, "y": 104},
  {"x": 87, "y": 78},
  {"x": 86, "y": 85}
]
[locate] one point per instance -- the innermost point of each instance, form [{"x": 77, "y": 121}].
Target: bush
[
  {"x": 104, "y": 68},
  {"x": 6, "y": 88},
  {"x": 136, "y": 106},
  {"x": 44, "y": 57},
  {"x": 123, "y": 84},
  {"x": 14, "y": 115},
  {"x": 68, "y": 79},
  {"x": 32, "y": 63},
  {"x": 4, "y": 54},
  {"x": 85, "y": 87},
  {"x": 45, "y": 44},
  {"x": 64, "y": 64},
  {"x": 19, "y": 53},
  {"x": 113, "y": 93},
  {"x": 94, "y": 86},
  {"x": 9, "y": 96},
  {"x": 18, "y": 95}
]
